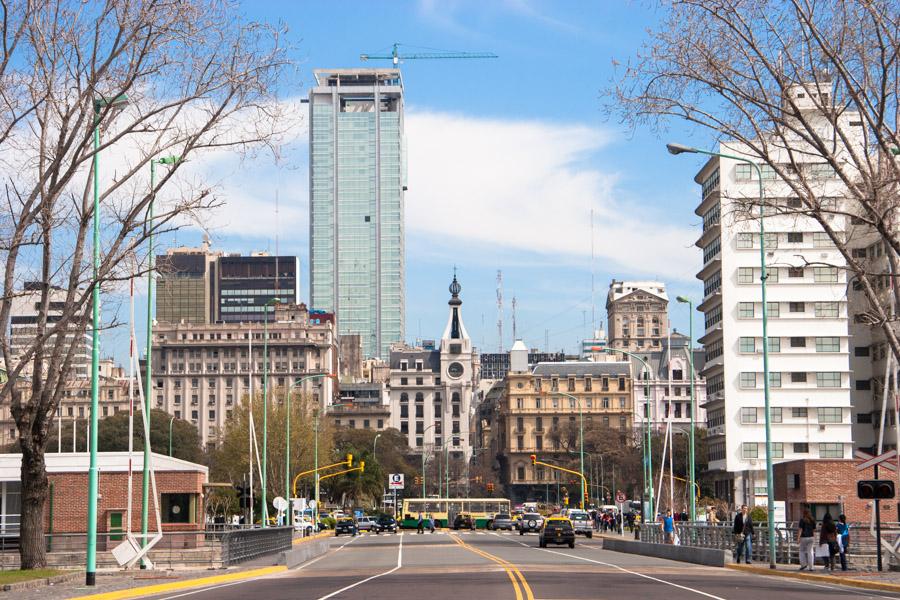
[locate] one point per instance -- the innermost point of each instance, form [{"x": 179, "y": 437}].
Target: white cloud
[{"x": 529, "y": 186}]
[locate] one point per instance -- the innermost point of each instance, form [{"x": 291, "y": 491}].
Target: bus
[{"x": 444, "y": 510}]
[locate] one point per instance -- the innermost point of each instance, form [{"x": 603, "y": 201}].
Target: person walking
[
  {"x": 828, "y": 537},
  {"x": 843, "y": 531},
  {"x": 743, "y": 535},
  {"x": 420, "y": 525},
  {"x": 668, "y": 528},
  {"x": 807, "y": 531}
]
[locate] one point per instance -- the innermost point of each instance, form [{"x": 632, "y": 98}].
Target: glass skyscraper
[{"x": 357, "y": 183}]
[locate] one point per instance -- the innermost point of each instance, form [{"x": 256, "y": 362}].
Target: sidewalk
[{"x": 886, "y": 581}]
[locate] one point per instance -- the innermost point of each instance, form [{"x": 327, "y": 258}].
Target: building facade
[
  {"x": 432, "y": 391},
  {"x": 362, "y": 406},
  {"x": 357, "y": 185},
  {"x": 637, "y": 315},
  {"x": 807, "y": 307},
  {"x": 200, "y": 372},
  {"x": 186, "y": 285},
  {"x": 495, "y": 365}
]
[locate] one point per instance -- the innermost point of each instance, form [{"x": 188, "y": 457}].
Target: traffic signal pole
[
  {"x": 535, "y": 461},
  {"x": 878, "y": 523}
]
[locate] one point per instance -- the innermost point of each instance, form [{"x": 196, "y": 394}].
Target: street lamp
[
  {"x": 172, "y": 420},
  {"x": 692, "y": 474},
  {"x": 424, "y": 431},
  {"x": 648, "y": 454},
  {"x": 93, "y": 480},
  {"x": 266, "y": 406},
  {"x": 770, "y": 486},
  {"x": 580, "y": 438},
  {"x": 145, "y": 481}
]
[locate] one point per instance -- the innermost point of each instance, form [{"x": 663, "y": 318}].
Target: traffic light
[
  {"x": 418, "y": 480},
  {"x": 879, "y": 489},
  {"x": 243, "y": 495},
  {"x": 490, "y": 487},
  {"x": 362, "y": 466},
  {"x": 349, "y": 460},
  {"x": 533, "y": 459}
]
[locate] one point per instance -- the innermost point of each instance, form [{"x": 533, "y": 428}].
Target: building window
[
  {"x": 537, "y": 403},
  {"x": 825, "y": 274},
  {"x": 538, "y": 442},
  {"x": 774, "y": 379},
  {"x": 827, "y": 309},
  {"x": 831, "y": 450},
  {"x": 745, "y": 274},
  {"x": 748, "y": 414},
  {"x": 750, "y": 450},
  {"x": 830, "y": 414},
  {"x": 775, "y": 414},
  {"x": 748, "y": 380},
  {"x": 861, "y": 351},
  {"x": 777, "y": 450},
  {"x": 796, "y": 307},
  {"x": 772, "y": 275},
  {"x": 744, "y": 240},
  {"x": 520, "y": 442},
  {"x": 794, "y": 237},
  {"x": 774, "y": 344},
  {"x": 798, "y": 377},
  {"x": 520, "y": 403},
  {"x": 829, "y": 379},
  {"x": 623, "y": 422},
  {"x": 863, "y": 384},
  {"x": 795, "y": 272},
  {"x": 773, "y": 309},
  {"x": 798, "y": 342},
  {"x": 539, "y": 424},
  {"x": 746, "y": 310},
  {"x": 799, "y": 412},
  {"x": 748, "y": 344},
  {"x": 743, "y": 172},
  {"x": 380, "y": 423},
  {"x": 520, "y": 473},
  {"x": 801, "y": 448},
  {"x": 828, "y": 344},
  {"x": 178, "y": 508}
]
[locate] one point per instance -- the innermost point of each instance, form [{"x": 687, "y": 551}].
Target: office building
[
  {"x": 357, "y": 184},
  {"x": 362, "y": 405},
  {"x": 495, "y": 365},
  {"x": 807, "y": 306},
  {"x": 637, "y": 315},
  {"x": 185, "y": 285}
]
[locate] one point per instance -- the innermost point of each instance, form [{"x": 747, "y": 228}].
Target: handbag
[{"x": 739, "y": 538}]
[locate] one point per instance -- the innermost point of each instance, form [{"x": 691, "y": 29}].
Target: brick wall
[
  {"x": 70, "y": 500},
  {"x": 824, "y": 482}
]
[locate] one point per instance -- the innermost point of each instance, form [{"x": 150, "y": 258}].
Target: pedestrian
[
  {"x": 828, "y": 538},
  {"x": 807, "y": 531},
  {"x": 711, "y": 515},
  {"x": 843, "y": 530},
  {"x": 420, "y": 525},
  {"x": 431, "y": 523},
  {"x": 669, "y": 527},
  {"x": 743, "y": 535}
]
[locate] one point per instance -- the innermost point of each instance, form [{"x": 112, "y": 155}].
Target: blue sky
[{"x": 507, "y": 159}]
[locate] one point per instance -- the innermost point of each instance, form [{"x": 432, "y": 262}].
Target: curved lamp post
[
  {"x": 580, "y": 440},
  {"x": 685, "y": 300},
  {"x": 265, "y": 457}
]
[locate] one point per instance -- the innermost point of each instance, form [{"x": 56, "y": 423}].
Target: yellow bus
[{"x": 444, "y": 510}]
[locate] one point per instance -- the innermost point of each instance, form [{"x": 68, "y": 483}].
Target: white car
[
  {"x": 302, "y": 523},
  {"x": 366, "y": 523}
]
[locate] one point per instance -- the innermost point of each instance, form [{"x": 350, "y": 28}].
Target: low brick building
[
  {"x": 179, "y": 483},
  {"x": 829, "y": 486}
]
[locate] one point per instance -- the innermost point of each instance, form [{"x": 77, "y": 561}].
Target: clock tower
[{"x": 457, "y": 373}]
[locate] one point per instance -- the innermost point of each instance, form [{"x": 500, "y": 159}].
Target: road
[{"x": 481, "y": 565}]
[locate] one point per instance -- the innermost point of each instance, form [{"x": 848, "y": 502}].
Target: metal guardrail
[{"x": 243, "y": 544}]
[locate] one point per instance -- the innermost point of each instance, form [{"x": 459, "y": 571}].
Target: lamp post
[
  {"x": 375, "y": 446},
  {"x": 648, "y": 454},
  {"x": 93, "y": 475},
  {"x": 424, "y": 431},
  {"x": 266, "y": 409},
  {"x": 692, "y": 474},
  {"x": 770, "y": 486},
  {"x": 172, "y": 420},
  {"x": 145, "y": 480},
  {"x": 580, "y": 438},
  {"x": 287, "y": 436}
]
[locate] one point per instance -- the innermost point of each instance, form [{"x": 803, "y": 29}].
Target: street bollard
[{"x": 637, "y": 533}]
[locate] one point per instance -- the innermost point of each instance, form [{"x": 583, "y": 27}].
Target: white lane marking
[
  {"x": 663, "y": 581},
  {"x": 367, "y": 579}
]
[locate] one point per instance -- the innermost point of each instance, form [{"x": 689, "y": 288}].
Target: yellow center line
[{"x": 511, "y": 569}]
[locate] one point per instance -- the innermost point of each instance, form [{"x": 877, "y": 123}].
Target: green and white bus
[{"x": 444, "y": 510}]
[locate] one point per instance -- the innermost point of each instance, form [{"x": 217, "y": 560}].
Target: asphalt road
[{"x": 485, "y": 565}]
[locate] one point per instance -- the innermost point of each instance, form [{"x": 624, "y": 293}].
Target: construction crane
[{"x": 395, "y": 56}]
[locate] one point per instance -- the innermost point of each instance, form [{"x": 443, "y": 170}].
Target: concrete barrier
[
  {"x": 710, "y": 557},
  {"x": 301, "y": 553}
]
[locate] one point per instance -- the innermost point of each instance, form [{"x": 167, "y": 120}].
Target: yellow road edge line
[
  {"x": 312, "y": 538},
  {"x": 508, "y": 566},
  {"x": 858, "y": 583},
  {"x": 160, "y": 588}
]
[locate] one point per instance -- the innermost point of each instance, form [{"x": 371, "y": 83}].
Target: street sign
[
  {"x": 395, "y": 481},
  {"x": 867, "y": 460},
  {"x": 620, "y": 497}
]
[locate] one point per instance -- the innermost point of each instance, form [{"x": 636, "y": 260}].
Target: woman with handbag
[
  {"x": 807, "y": 531},
  {"x": 828, "y": 536}
]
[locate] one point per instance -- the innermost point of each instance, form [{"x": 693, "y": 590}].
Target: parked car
[
  {"x": 365, "y": 523},
  {"x": 557, "y": 530},
  {"x": 345, "y": 525},
  {"x": 502, "y": 521},
  {"x": 463, "y": 521},
  {"x": 385, "y": 523},
  {"x": 530, "y": 523}
]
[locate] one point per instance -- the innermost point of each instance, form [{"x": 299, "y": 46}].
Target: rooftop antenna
[
  {"x": 593, "y": 270},
  {"x": 276, "y": 244},
  {"x": 515, "y": 336},
  {"x": 500, "y": 311}
]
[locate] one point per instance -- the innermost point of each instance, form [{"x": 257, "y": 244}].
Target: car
[
  {"x": 557, "y": 530},
  {"x": 463, "y": 521},
  {"x": 365, "y": 523},
  {"x": 530, "y": 522},
  {"x": 502, "y": 521},
  {"x": 581, "y": 522},
  {"x": 345, "y": 525},
  {"x": 385, "y": 523}
]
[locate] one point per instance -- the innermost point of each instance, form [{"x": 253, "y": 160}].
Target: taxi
[{"x": 557, "y": 530}]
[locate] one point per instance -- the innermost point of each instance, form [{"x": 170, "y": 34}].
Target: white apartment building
[{"x": 808, "y": 329}]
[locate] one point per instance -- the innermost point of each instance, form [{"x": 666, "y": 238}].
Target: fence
[
  {"x": 239, "y": 545},
  {"x": 862, "y": 547}
]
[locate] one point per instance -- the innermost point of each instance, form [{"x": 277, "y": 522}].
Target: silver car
[
  {"x": 582, "y": 523},
  {"x": 365, "y": 523},
  {"x": 503, "y": 521},
  {"x": 530, "y": 522}
]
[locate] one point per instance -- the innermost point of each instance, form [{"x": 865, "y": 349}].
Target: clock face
[{"x": 455, "y": 370}]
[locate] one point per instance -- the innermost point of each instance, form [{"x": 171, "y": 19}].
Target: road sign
[
  {"x": 280, "y": 503},
  {"x": 887, "y": 460},
  {"x": 395, "y": 481},
  {"x": 620, "y": 497}
]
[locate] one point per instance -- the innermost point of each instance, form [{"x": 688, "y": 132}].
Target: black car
[
  {"x": 385, "y": 523},
  {"x": 557, "y": 530},
  {"x": 463, "y": 521},
  {"x": 346, "y": 525},
  {"x": 530, "y": 522}
]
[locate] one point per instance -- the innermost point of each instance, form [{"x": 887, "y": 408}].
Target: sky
[{"x": 508, "y": 159}]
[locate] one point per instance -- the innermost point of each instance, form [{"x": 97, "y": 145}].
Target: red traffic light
[
  {"x": 871, "y": 489},
  {"x": 533, "y": 459}
]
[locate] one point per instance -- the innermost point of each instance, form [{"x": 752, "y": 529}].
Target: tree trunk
[{"x": 35, "y": 487}]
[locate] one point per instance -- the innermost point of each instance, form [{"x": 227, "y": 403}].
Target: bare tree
[
  {"x": 790, "y": 83},
  {"x": 197, "y": 78}
]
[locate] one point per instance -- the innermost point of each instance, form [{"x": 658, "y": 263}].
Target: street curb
[
  {"x": 319, "y": 536},
  {"x": 832, "y": 579},
  {"x": 186, "y": 584},
  {"x": 42, "y": 581}
]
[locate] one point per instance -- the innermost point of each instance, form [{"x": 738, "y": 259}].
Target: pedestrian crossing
[{"x": 464, "y": 532}]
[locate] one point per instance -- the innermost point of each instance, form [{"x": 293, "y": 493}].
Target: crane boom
[{"x": 396, "y": 57}]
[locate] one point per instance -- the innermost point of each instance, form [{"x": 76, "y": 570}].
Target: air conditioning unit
[{"x": 821, "y": 428}]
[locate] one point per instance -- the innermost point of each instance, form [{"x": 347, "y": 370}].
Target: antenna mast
[
  {"x": 515, "y": 336},
  {"x": 500, "y": 311},
  {"x": 593, "y": 318}
]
